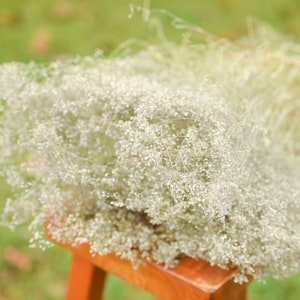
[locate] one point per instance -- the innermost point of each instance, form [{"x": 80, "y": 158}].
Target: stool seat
[{"x": 190, "y": 280}]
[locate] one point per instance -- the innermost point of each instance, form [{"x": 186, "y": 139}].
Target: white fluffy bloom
[{"x": 176, "y": 150}]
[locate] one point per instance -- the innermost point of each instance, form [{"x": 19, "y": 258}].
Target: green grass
[
  {"x": 86, "y": 25},
  {"x": 45, "y": 30}
]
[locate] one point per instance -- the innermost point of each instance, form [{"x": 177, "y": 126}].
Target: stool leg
[
  {"x": 231, "y": 291},
  {"x": 86, "y": 281}
]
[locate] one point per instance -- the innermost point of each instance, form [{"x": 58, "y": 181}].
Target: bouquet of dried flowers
[{"x": 177, "y": 150}]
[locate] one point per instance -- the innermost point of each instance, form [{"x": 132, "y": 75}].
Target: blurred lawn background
[{"x": 50, "y": 29}]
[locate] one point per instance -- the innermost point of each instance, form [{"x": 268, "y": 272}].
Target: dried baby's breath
[{"x": 176, "y": 150}]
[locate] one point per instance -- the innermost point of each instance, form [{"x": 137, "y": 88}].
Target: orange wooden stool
[{"x": 190, "y": 280}]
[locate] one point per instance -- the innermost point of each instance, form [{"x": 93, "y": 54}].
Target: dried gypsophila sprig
[{"x": 149, "y": 153}]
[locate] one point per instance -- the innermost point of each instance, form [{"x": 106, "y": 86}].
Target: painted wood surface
[{"x": 190, "y": 280}]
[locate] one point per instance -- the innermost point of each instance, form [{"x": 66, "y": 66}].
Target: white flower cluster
[{"x": 178, "y": 150}]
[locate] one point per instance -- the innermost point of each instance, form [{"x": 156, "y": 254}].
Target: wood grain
[
  {"x": 86, "y": 281},
  {"x": 190, "y": 280}
]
